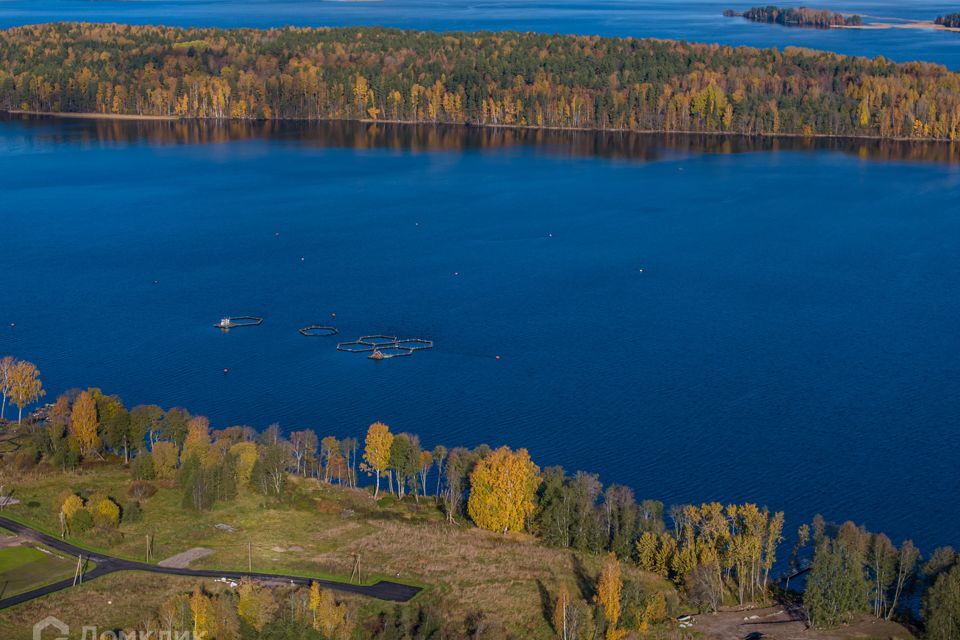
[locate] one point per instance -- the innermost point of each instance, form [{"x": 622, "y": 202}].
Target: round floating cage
[
  {"x": 356, "y": 346},
  {"x": 414, "y": 344},
  {"x": 378, "y": 340},
  {"x": 318, "y": 331},
  {"x": 239, "y": 321},
  {"x": 383, "y": 347}
]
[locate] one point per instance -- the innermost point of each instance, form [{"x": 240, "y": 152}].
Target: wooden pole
[{"x": 250, "y": 557}]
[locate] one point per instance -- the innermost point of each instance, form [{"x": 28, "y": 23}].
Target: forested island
[
  {"x": 503, "y": 548},
  {"x": 490, "y": 79},
  {"x": 797, "y": 17},
  {"x": 951, "y": 20}
]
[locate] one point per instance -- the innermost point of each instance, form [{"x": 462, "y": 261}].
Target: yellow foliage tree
[
  {"x": 106, "y": 513},
  {"x": 84, "y": 423},
  {"x": 609, "y": 588},
  {"x": 71, "y": 506},
  {"x": 202, "y": 610},
  {"x": 255, "y": 605},
  {"x": 197, "y": 441},
  {"x": 503, "y": 489},
  {"x": 328, "y": 617},
  {"x": 23, "y": 385},
  {"x": 246, "y": 454},
  {"x": 376, "y": 452},
  {"x": 165, "y": 456}
]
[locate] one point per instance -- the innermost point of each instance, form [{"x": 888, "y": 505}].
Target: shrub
[
  {"x": 142, "y": 467},
  {"x": 141, "y": 490},
  {"x": 106, "y": 513},
  {"x": 132, "y": 512},
  {"x": 82, "y": 521},
  {"x": 72, "y": 504}
]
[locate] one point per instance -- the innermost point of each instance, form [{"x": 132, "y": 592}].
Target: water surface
[
  {"x": 699, "y": 20},
  {"x": 699, "y": 318}
]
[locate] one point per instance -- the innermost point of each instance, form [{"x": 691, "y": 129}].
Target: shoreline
[
  {"x": 90, "y": 115},
  {"x": 471, "y": 125}
]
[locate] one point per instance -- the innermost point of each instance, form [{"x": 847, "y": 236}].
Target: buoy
[
  {"x": 549, "y": 235},
  {"x": 641, "y": 270},
  {"x": 156, "y": 282},
  {"x": 277, "y": 234},
  {"x": 13, "y": 324},
  {"x": 225, "y": 371},
  {"x": 302, "y": 258},
  {"x": 498, "y": 357},
  {"x": 456, "y": 273},
  {"x": 333, "y": 315}
]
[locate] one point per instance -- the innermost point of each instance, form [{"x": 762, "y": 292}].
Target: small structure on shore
[{"x": 228, "y": 323}]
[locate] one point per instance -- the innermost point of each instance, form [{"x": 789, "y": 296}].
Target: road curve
[{"x": 383, "y": 590}]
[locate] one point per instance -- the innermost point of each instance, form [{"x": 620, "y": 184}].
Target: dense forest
[
  {"x": 508, "y": 79},
  {"x": 799, "y": 17},
  {"x": 714, "y": 554},
  {"x": 951, "y": 20}
]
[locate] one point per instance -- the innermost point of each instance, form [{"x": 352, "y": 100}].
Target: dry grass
[
  {"x": 116, "y": 601},
  {"x": 511, "y": 579}
]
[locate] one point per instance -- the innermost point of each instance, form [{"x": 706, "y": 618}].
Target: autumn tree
[
  {"x": 376, "y": 453},
  {"x": 503, "y": 488},
  {"x": 329, "y": 616},
  {"x": 25, "y": 386},
  {"x": 7, "y": 365},
  {"x": 246, "y": 454},
  {"x": 165, "y": 459},
  {"x": 256, "y": 606},
  {"x": 202, "y": 610},
  {"x": 84, "y": 423},
  {"x": 196, "y": 443},
  {"x": 609, "y": 588}
]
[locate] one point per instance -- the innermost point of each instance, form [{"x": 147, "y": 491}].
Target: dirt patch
[
  {"x": 183, "y": 560},
  {"x": 783, "y": 623}
]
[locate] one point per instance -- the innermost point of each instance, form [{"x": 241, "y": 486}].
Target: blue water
[
  {"x": 773, "y": 326},
  {"x": 697, "y": 20},
  {"x": 701, "y": 319}
]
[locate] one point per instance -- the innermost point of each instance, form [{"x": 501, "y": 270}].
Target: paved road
[{"x": 382, "y": 590}]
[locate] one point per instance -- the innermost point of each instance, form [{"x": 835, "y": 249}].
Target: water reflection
[{"x": 51, "y": 132}]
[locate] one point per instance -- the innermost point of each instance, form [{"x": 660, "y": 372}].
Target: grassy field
[
  {"x": 24, "y": 567},
  {"x": 463, "y": 569}
]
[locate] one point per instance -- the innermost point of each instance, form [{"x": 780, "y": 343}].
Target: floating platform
[
  {"x": 238, "y": 321},
  {"x": 318, "y": 331},
  {"x": 390, "y": 352},
  {"x": 384, "y": 347}
]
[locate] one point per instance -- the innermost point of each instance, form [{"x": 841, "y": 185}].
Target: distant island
[
  {"x": 951, "y": 20},
  {"x": 480, "y": 79},
  {"x": 799, "y": 17}
]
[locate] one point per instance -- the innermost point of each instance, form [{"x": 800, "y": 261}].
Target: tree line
[
  {"x": 497, "y": 79},
  {"x": 951, "y": 20},
  {"x": 714, "y": 554},
  {"x": 797, "y": 17}
]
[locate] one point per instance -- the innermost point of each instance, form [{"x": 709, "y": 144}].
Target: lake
[
  {"x": 699, "y": 20},
  {"x": 699, "y": 318}
]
